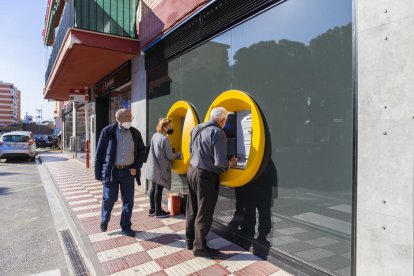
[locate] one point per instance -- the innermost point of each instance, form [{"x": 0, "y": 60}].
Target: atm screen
[
  {"x": 231, "y": 127},
  {"x": 231, "y": 147}
]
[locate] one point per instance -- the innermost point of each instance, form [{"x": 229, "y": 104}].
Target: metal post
[
  {"x": 74, "y": 153},
  {"x": 86, "y": 107},
  {"x": 39, "y": 116}
]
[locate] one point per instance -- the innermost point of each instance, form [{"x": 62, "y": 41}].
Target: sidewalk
[{"x": 158, "y": 247}]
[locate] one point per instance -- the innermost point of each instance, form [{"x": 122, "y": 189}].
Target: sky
[{"x": 23, "y": 56}]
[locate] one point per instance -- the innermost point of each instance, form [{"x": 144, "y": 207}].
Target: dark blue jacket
[{"x": 106, "y": 153}]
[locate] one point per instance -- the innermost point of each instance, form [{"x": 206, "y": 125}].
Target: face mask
[
  {"x": 126, "y": 125},
  {"x": 170, "y": 131}
]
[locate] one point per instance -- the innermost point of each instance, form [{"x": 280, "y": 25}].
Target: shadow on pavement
[
  {"x": 4, "y": 190},
  {"x": 53, "y": 159},
  {"x": 16, "y": 160},
  {"x": 7, "y": 173}
]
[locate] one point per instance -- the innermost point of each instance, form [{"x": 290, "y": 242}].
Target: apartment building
[{"x": 10, "y": 102}]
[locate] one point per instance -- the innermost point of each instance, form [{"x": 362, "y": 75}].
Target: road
[{"x": 28, "y": 239}]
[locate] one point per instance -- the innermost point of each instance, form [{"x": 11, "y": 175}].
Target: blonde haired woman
[{"x": 159, "y": 164}]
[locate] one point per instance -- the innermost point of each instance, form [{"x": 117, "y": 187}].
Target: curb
[{"x": 68, "y": 221}]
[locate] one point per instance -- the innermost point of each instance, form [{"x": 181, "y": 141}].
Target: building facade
[
  {"x": 10, "y": 104},
  {"x": 330, "y": 80}
]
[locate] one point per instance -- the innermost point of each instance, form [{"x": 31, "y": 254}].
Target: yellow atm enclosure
[
  {"x": 245, "y": 136},
  {"x": 184, "y": 119}
]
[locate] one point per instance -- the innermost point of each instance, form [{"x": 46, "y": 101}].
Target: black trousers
[
  {"x": 156, "y": 197},
  {"x": 203, "y": 188}
]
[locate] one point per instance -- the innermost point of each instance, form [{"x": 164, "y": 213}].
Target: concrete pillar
[
  {"x": 139, "y": 101},
  {"x": 385, "y": 63}
]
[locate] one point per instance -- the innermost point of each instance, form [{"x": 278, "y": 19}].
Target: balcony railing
[{"x": 115, "y": 17}]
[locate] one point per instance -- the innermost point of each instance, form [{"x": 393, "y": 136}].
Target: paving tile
[
  {"x": 314, "y": 254},
  {"x": 239, "y": 261},
  {"x": 115, "y": 265},
  {"x": 147, "y": 268},
  {"x": 259, "y": 268},
  {"x": 159, "y": 273},
  {"x": 167, "y": 249},
  {"x": 82, "y": 201},
  {"x": 320, "y": 242},
  {"x": 79, "y": 196},
  {"x": 189, "y": 266},
  {"x": 87, "y": 209},
  {"x": 291, "y": 230},
  {"x": 295, "y": 247},
  {"x": 214, "y": 270},
  {"x": 346, "y": 271},
  {"x": 176, "y": 258},
  {"x": 218, "y": 243},
  {"x": 118, "y": 213},
  {"x": 159, "y": 246},
  {"x": 281, "y": 273},
  {"x": 112, "y": 243},
  {"x": 153, "y": 233},
  {"x": 105, "y": 236},
  {"x": 333, "y": 263},
  {"x": 138, "y": 258},
  {"x": 145, "y": 226},
  {"x": 72, "y": 193},
  {"x": 83, "y": 204},
  {"x": 172, "y": 220},
  {"x": 119, "y": 252},
  {"x": 168, "y": 238},
  {"x": 88, "y": 215},
  {"x": 177, "y": 226}
]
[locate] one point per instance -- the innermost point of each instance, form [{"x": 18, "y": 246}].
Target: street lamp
[{"x": 39, "y": 112}]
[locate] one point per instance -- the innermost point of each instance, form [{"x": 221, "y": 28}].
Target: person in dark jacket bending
[
  {"x": 208, "y": 148},
  {"x": 119, "y": 157}
]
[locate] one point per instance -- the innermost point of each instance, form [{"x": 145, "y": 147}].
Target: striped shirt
[{"x": 124, "y": 148}]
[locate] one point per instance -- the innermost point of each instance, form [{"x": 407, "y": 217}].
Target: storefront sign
[
  {"x": 79, "y": 91},
  {"x": 109, "y": 83},
  {"x": 67, "y": 108},
  {"x": 79, "y": 98},
  {"x": 115, "y": 79}
]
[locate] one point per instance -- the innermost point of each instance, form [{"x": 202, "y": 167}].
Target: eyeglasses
[{"x": 130, "y": 117}]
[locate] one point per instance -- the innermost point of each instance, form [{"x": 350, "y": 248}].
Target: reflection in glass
[
  {"x": 295, "y": 60},
  {"x": 119, "y": 99},
  {"x": 68, "y": 119},
  {"x": 80, "y": 133}
]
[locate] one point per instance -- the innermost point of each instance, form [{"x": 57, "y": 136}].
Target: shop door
[{"x": 102, "y": 116}]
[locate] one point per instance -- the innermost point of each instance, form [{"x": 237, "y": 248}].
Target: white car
[{"x": 17, "y": 144}]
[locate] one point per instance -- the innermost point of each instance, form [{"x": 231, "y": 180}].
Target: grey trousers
[{"x": 203, "y": 188}]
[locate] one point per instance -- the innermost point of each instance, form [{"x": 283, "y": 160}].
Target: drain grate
[{"x": 78, "y": 265}]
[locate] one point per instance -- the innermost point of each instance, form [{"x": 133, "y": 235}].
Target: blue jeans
[{"x": 124, "y": 179}]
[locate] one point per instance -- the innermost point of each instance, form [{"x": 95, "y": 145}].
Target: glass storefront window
[
  {"x": 119, "y": 100},
  {"x": 295, "y": 60},
  {"x": 80, "y": 133},
  {"x": 68, "y": 119}
]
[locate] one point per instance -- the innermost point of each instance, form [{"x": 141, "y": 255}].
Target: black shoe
[
  {"x": 189, "y": 244},
  {"x": 104, "y": 226},
  {"x": 151, "y": 212},
  {"x": 206, "y": 252},
  {"x": 128, "y": 232},
  {"x": 263, "y": 241},
  {"x": 162, "y": 214}
]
